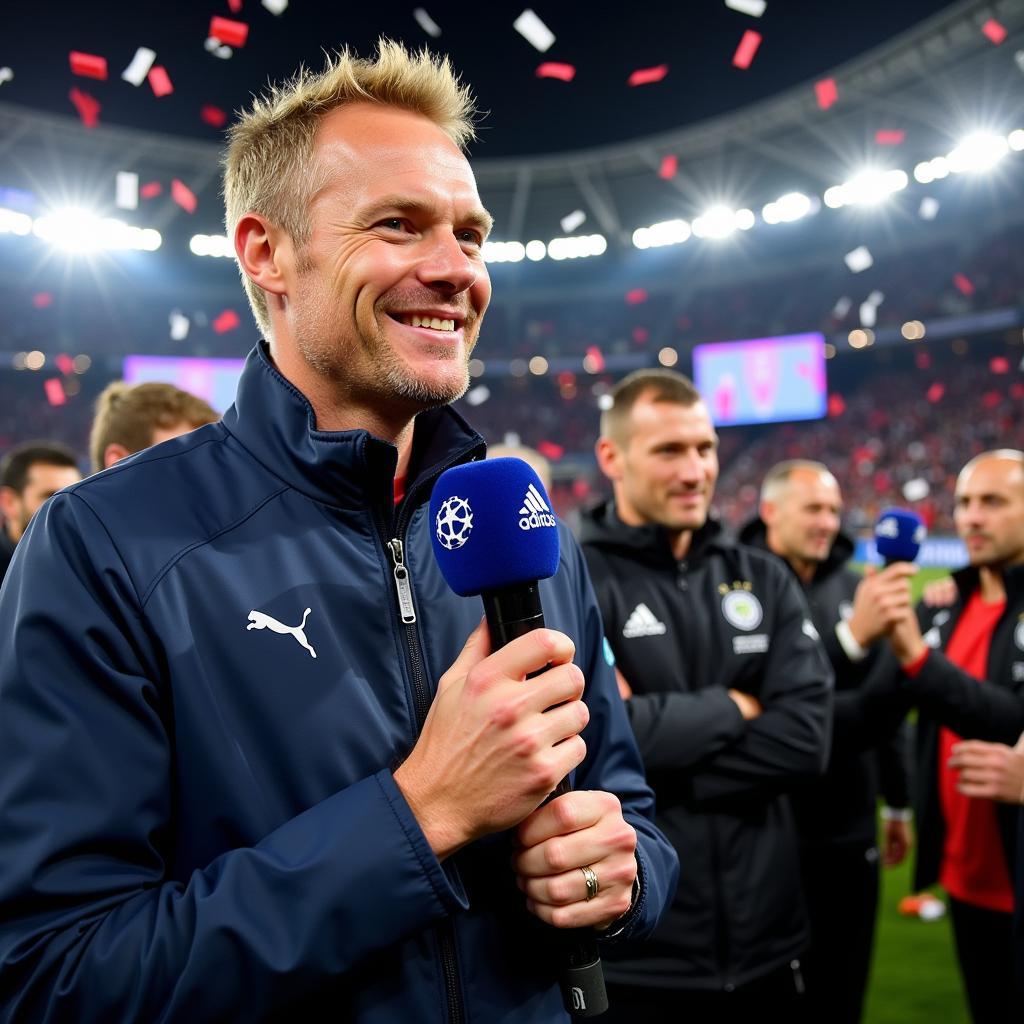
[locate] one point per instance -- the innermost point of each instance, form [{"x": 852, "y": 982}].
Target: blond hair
[
  {"x": 129, "y": 415},
  {"x": 268, "y": 167},
  {"x": 659, "y": 385}
]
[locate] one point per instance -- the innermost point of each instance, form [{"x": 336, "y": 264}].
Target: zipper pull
[{"x": 402, "y": 585}]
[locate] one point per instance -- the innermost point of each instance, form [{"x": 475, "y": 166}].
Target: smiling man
[
  {"x": 257, "y": 761},
  {"x": 729, "y": 695}
]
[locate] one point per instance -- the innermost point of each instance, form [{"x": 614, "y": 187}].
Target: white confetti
[
  {"x": 6, "y": 75},
  {"x": 136, "y": 72},
  {"x": 1018, "y": 58},
  {"x": 126, "y": 189},
  {"x": 876, "y": 298},
  {"x": 928, "y": 209},
  {"x": 217, "y": 48},
  {"x": 868, "y": 314},
  {"x": 179, "y": 326},
  {"x": 916, "y": 489},
  {"x": 755, "y": 8},
  {"x": 478, "y": 395},
  {"x": 571, "y": 221},
  {"x": 534, "y": 31},
  {"x": 859, "y": 259},
  {"x": 276, "y": 7},
  {"x": 426, "y": 22},
  {"x": 842, "y": 307}
]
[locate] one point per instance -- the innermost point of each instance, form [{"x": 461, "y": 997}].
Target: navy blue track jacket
[{"x": 205, "y": 684}]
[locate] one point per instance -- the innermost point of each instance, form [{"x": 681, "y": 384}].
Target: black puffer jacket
[
  {"x": 867, "y": 757},
  {"x": 726, "y": 617}
]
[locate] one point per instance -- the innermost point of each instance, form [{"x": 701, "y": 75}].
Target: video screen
[
  {"x": 763, "y": 380},
  {"x": 215, "y": 380}
]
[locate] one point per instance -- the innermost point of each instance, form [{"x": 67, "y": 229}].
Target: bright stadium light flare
[
  {"x": 720, "y": 222},
  {"x": 1015, "y": 140},
  {"x": 792, "y": 206},
  {"x": 13, "y": 222},
  {"x": 666, "y": 232},
  {"x": 504, "y": 252},
  {"x": 979, "y": 151},
  {"x": 868, "y": 188},
  {"x": 211, "y": 245},
  {"x": 80, "y": 231},
  {"x": 577, "y": 247}
]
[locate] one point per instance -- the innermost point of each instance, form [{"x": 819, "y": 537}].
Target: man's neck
[
  {"x": 991, "y": 585},
  {"x": 804, "y": 570}
]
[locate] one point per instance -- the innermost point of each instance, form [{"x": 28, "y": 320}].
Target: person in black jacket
[
  {"x": 730, "y": 699},
  {"x": 801, "y": 505},
  {"x": 963, "y": 667}
]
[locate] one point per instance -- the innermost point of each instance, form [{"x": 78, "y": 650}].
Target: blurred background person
[
  {"x": 132, "y": 417},
  {"x": 29, "y": 474},
  {"x": 801, "y": 510},
  {"x": 540, "y": 465}
]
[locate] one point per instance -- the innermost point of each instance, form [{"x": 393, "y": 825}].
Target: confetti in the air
[
  {"x": 836, "y": 406},
  {"x": 868, "y": 314},
  {"x": 54, "y": 391},
  {"x": 179, "y": 325},
  {"x": 126, "y": 190},
  {"x": 571, "y": 221},
  {"x": 160, "y": 81},
  {"x": 917, "y": 489},
  {"x": 65, "y": 364},
  {"x": 635, "y": 296},
  {"x": 88, "y": 107},
  {"x": 999, "y": 365},
  {"x": 859, "y": 259},
  {"x": 136, "y": 72},
  {"x": 755, "y": 8},
  {"x": 553, "y": 69},
  {"x": 6, "y": 75},
  {"x": 842, "y": 307},
  {"x": 276, "y": 7},
  {"x": 593, "y": 361},
  {"x": 994, "y": 31},
  {"x": 226, "y": 321},
  {"x": 88, "y": 65},
  {"x": 669, "y": 166},
  {"x": 183, "y": 196},
  {"x": 478, "y": 395},
  {"x": 427, "y": 23},
  {"x": 935, "y": 392},
  {"x": 534, "y": 31},
  {"x": 647, "y": 76},
  {"x": 151, "y": 190},
  {"x": 929, "y": 208},
  {"x": 1018, "y": 59},
  {"x": 744, "y": 55},
  {"x": 229, "y": 32},
  {"x": 963, "y": 284},
  {"x": 217, "y": 48},
  {"x": 550, "y": 450},
  {"x": 826, "y": 92},
  {"x": 42, "y": 300},
  {"x": 890, "y": 137},
  {"x": 214, "y": 116}
]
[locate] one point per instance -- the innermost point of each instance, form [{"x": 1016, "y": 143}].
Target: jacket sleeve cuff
[
  {"x": 912, "y": 670},
  {"x": 851, "y": 648}
]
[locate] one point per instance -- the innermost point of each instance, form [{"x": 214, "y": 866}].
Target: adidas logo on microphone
[{"x": 535, "y": 511}]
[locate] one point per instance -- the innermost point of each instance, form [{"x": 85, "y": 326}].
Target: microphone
[
  {"x": 494, "y": 535},
  {"x": 899, "y": 534}
]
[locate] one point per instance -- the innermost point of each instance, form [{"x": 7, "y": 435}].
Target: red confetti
[
  {"x": 999, "y": 364},
  {"x": 595, "y": 359},
  {"x": 635, "y": 296},
  {"x": 640, "y": 335},
  {"x": 744, "y": 55},
  {"x": 836, "y": 406},
  {"x": 42, "y": 300},
  {"x": 923, "y": 361},
  {"x": 580, "y": 487},
  {"x": 65, "y": 364},
  {"x": 963, "y": 284},
  {"x": 669, "y": 166},
  {"x": 1017, "y": 390},
  {"x": 88, "y": 107},
  {"x": 88, "y": 65},
  {"x": 991, "y": 399},
  {"x": 552, "y": 69},
  {"x": 646, "y": 76},
  {"x": 183, "y": 196},
  {"x": 995, "y": 32},
  {"x": 160, "y": 81},
  {"x": 151, "y": 190},
  {"x": 226, "y": 321},
  {"x": 235, "y": 6},
  {"x": 890, "y": 137},
  {"x": 550, "y": 450},
  {"x": 826, "y": 92},
  {"x": 935, "y": 392},
  {"x": 213, "y": 116},
  {"x": 231, "y": 33},
  {"x": 54, "y": 391}
]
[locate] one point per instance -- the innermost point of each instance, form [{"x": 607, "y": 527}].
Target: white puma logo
[{"x": 260, "y": 620}]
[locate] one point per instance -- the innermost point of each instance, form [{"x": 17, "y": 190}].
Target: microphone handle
[{"x": 511, "y": 613}]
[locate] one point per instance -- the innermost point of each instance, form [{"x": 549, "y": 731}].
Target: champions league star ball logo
[{"x": 454, "y": 522}]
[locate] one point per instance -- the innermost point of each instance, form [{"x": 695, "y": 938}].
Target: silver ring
[{"x": 593, "y": 887}]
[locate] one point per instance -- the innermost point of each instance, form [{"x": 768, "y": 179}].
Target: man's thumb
[{"x": 476, "y": 648}]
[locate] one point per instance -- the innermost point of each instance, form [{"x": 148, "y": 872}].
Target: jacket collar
[
  {"x": 967, "y": 581},
  {"x": 274, "y": 421}
]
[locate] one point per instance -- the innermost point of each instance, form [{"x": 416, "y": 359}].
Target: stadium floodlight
[
  {"x": 536, "y": 250},
  {"x": 81, "y": 231},
  {"x": 1015, "y": 140},
  {"x": 792, "y": 206},
  {"x": 666, "y": 232},
  {"x": 867, "y": 188},
  {"x": 504, "y": 252},
  {"x": 577, "y": 247},
  {"x": 719, "y": 222},
  {"x": 13, "y": 222},
  {"x": 212, "y": 245},
  {"x": 979, "y": 151},
  {"x": 923, "y": 172}
]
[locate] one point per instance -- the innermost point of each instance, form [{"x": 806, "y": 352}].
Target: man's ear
[
  {"x": 609, "y": 457},
  {"x": 767, "y": 511},
  {"x": 10, "y": 506},
  {"x": 114, "y": 452},
  {"x": 263, "y": 251}
]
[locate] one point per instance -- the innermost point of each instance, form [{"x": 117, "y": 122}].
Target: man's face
[
  {"x": 387, "y": 298},
  {"x": 665, "y": 473},
  {"x": 803, "y": 517},
  {"x": 43, "y": 482},
  {"x": 989, "y": 512}
]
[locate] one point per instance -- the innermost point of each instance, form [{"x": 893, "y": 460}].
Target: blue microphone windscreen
[
  {"x": 899, "y": 534},
  {"x": 492, "y": 526}
]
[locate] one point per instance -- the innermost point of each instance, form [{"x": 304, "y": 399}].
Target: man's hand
[
  {"x": 625, "y": 690},
  {"x": 750, "y": 707},
  {"x": 577, "y": 830},
  {"x": 939, "y": 593},
  {"x": 494, "y": 745},
  {"x": 991, "y": 770},
  {"x": 906, "y": 641},
  {"x": 897, "y": 842},
  {"x": 882, "y": 598}
]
